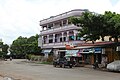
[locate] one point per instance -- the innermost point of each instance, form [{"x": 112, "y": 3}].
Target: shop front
[
  {"x": 47, "y": 52},
  {"x": 91, "y": 55},
  {"x": 75, "y": 56}
]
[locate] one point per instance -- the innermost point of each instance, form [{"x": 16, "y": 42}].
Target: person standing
[{"x": 10, "y": 58}]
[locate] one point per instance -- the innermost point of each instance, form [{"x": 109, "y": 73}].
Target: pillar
[
  {"x": 62, "y": 23},
  {"x": 67, "y": 36},
  {"x": 47, "y": 38},
  {"x": 42, "y": 28},
  {"x": 53, "y": 24},
  {"x": 67, "y": 22},
  {"x": 75, "y": 32},
  {"x": 43, "y": 39},
  {"x": 53, "y": 38},
  {"x": 62, "y": 36},
  {"x": 47, "y": 26}
]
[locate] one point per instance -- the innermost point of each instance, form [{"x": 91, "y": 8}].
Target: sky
[{"x": 21, "y": 17}]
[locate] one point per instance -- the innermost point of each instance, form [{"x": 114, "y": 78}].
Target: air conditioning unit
[{"x": 118, "y": 48}]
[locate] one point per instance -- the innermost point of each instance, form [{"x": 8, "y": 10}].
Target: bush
[{"x": 50, "y": 59}]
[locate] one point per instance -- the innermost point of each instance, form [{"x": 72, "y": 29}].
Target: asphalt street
[{"x": 21, "y": 70}]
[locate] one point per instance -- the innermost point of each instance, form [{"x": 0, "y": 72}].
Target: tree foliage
[
  {"x": 4, "y": 49},
  {"x": 113, "y": 24},
  {"x": 24, "y": 45},
  {"x": 96, "y": 26}
]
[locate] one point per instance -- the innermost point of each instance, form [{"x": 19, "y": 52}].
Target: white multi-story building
[{"x": 57, "y": 31}]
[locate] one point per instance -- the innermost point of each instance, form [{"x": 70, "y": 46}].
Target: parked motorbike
[{"x": 95, "y": 65}]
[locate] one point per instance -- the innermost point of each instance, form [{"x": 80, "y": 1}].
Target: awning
[
  {"x": 46, "y": 51},
  {"x": 62, "y": 50},
  {"x": 91, "y": 50},
  {"x": 74, "y": 53}
]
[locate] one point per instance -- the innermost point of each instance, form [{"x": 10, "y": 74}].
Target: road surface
[{"x": 20, "y": 70}]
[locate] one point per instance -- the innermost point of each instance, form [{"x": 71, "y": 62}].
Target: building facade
[
  {"x": 58, "y": 35},
  {"x": 57, "y": 31}
]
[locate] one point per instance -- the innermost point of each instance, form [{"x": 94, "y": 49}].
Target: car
[
  {"x": 114, "y": 66},
  {"x": 58, "y": 62},
  {"x": 62, "y": 62},
  {"x": 67, "y": 64}
]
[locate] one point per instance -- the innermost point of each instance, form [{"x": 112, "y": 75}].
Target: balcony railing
[
  {"x": 61, "y": 44},
  {"x": 59, "y": 29},
  {"x": 76, "y": 12}
]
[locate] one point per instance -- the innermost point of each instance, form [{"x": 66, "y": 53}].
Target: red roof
[{"x": 95, "y": 44}]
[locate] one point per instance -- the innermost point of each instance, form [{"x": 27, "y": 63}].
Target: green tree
[
  {"x": 113, "y": 24},
  {"x": 91, "y": 30},
  {"x": 33, "y": 45},
  {"x": 24, "y": 46},
  {"x": 96, "y": 26},
  {"x": 4, "y": 49},
  {"x": 18, "y": 46}
]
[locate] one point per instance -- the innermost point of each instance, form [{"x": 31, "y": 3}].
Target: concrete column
[
  {"x": 42, "y": 28},
  {"x": 42, "y": 40},
  {"x": 62, "y": 36},
  {"x": 67, "y": 36},
  {"x": 53, "y": 38},
  {"x": 75, "y": 33},
  {"x": 62, "y": 23},
  {"x": 47, "y": 26},
  {"x": 58, "y": 38},
  {"x": 47, "y": 38},
  {"x": 53, "y": 24},
  {"x": 67, "y": 22}
]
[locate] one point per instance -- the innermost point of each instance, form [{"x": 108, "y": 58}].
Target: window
[
  {"x": 60, "y": 39},
  {"x": 55, "y": 40},
  {"x": 64, "y": 39},
  {"x": 78, "y": 38},
  {"x": 51, "y": 41},
  {"x": 71, "y": 37}
]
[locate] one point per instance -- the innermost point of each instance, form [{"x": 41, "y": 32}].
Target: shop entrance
[
  {"x": 61, "y": 53},
  {"x": 87, "y": 58},
  {"x": 98, "y": 58}
]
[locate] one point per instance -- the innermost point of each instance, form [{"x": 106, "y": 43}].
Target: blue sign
[
  {"x": 98, "y": 50},
  {"x": 91, "y": 50}
]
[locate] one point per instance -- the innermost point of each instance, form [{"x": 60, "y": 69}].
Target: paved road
[{"x": 31, "y": 71}]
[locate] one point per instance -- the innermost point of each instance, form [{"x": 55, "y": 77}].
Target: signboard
[
  {"x": 69, "y": 46},
  {"x": 74, "y": 53},
  {"x": 91, "y": 50},
  {"x": 118, "y": 48},
  {"x": 97, "y": 50}
]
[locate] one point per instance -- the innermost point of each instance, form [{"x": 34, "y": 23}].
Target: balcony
[
  {"x": 61, "y": 44},
  {"x": 76, "y": 12},
  {"x": 59, "y": 29}
]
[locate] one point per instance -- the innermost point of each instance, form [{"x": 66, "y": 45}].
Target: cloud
[{"x": 21, "y": 17}]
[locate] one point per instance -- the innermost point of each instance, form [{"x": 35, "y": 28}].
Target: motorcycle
[{"x": 95, "y": 65}]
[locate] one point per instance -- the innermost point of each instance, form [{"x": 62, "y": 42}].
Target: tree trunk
[
  {"x": 102, "y": 38},
  {"x": 93, "y": 41},
  {"x": 116, "y": 39},
  {"x": 110, "y": 38}
]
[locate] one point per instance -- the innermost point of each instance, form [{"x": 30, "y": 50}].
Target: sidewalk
[
  {"x": 90, "y": 66},
  {"x": 1, "y": 78}
]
